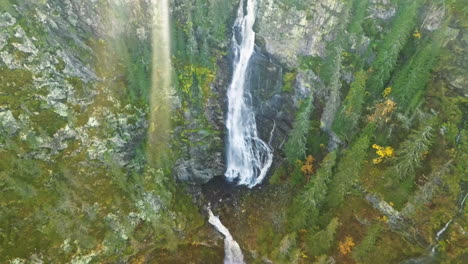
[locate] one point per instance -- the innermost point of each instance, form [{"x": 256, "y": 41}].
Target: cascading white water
[
  {"x": 248, "y": 157},
  {"x": 232, "y": 251},
  {"x": 446, "y": 226}
]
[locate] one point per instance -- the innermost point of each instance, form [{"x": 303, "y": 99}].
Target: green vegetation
[
  {"x": 347, "y": 119},
  {"x": 14, "y": 85},
  {"x": 288, "y": 81},
  {"x": 295, "y": 147},
  {"x": 194, "y": 84},
  {"x": 367, "y": 245},
  {"x": 359, "y": 12},
  {"x": 410, "y": 83},
  {"x": 413, "y": 150},
  {"x": 391, "y": 45},
  {"x": 306, "y": 207},
  {"x": 349, "y": 168},
  {"x": 326, "y": 238},
  {"x": 400, "y": 83}
]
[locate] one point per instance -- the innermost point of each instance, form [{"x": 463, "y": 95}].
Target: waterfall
[
  {"x": 248, "y": 157},
  {"x": 232, "y": 251},
  {"x": 446, "y": 226}
]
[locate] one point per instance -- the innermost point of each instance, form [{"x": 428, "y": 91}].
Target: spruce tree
[
  {"x": 413, "y": 150},
  {"x": 306, "y": 206},
  {"x": 410, "y": 83},
  {"x": 390, "y": 47},
  {"x": 349, "y": 167},
  {"x": 295, "y": 147},
  {"x": 367, "y": 245},
  {"x": 347, "y": 118},
  {"x": 320, "y": 243}
]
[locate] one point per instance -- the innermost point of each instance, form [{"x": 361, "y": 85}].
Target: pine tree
[
  {"x": 315, "y": 193},
  {"x": 320, "y": 243},
  {"x": 413, "y": 150},
  {"x": 332, "y": 70},
  {"x": 306, "y": 206},
  {"x": 358, "y": 15},
  {"x": 410, "y": 83},
  {"x": 390, "y": 47},
  {"x": 367, "y": 244},
  {"x": 348, "y": 118},
  {"x": 295, "y": 147},
  {"x": 349, "y": 167}
]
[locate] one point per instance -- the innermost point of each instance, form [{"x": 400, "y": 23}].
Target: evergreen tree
[
  {"x": 390, "y": 47},
  {"x": 410, "y": 83},
  {"x": 348, "y": 118},
  {"x": 358, "y": 15},
  {"x": 320, "y": 243},
  {"x": 414, "y": 148},
  {"x": 331, "y": 73},
  {"x": 349, "y": 167},
  {"x": 306, "y": 206},
  {"x": 315, "y": 193},
  {"x": 295, "y": 147},
  {"x": 367, "y": 244}
]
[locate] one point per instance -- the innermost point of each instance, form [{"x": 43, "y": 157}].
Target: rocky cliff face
[
  {"x": 73, "y": 119},
  {"x": 285, "y": 34},
  {"x": 305, "y": 32},
  {"x": 53, "y": 94}
]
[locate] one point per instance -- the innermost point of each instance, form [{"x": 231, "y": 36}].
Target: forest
[{"x": 277, "y": 131}]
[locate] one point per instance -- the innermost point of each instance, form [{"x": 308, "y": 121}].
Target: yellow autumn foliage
[
  {"x": 387, "y": 92},
  {"x": 382, "y": 152},
  {"x": 346, "y": 246},
  {"x": 308, "y": 166},
  {"x": 382, "y": 111}
]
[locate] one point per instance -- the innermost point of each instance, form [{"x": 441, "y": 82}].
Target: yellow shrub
[
  {"x": 382, "y": 111},
  {"x": 308, "y": 166},
  {"x": 387, "y": 91},
  {"x": 346, "y": 246},
  {"x": 383, "y": 152}
]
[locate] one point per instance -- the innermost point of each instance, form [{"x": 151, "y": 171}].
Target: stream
[
  {"x": 431, "y": 257},
  {"x": 442, "y": 231},
  {"x": 232, "y": 251}
]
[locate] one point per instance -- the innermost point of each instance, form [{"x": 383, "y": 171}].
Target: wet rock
[
  {"x": 394, "y": 217},
  {"x": 421, "y": 260},
  {"x": 9, "y": 60},
  {"x": 434, "y": 17},
  {"x": 7, "y": 20},
  {"x": 274, "y": 108},
  {"x": 8, "y": 122},
  {"x": 26, "y": 46},
  {"x": 193, "y": 170},
  {"x": 201, "y": 159},
  {"x": 381, "y": 9},
  {"x": 56, "y": 143},
  {"x": 305, "y": 81},
  {"x": 396, "y": 221}
]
